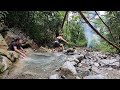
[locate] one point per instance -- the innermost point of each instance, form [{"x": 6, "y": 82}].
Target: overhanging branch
[
  {"x": 106, "y": 26},
  {"x": 117, "y": 47}
]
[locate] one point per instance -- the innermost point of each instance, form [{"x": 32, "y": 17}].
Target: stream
[{"x": 37, "y": 66}]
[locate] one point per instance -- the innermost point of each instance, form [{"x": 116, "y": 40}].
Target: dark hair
[
  {"x": 57, "y": 34},
  {"x": 17, "y": 39}
]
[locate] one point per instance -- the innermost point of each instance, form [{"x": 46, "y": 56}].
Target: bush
[
  {"x": 82, "y": 43},
  {"x": 105, "y": 47}
]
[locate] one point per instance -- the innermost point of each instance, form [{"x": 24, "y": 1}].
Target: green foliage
[
  {"x": 114, "y": 24},
  {"x": 3, "y": 14},
  {"x": 105, "y": 47},
  {"x": 74, "y": 32},
  {"x": 41, "y": 26}
]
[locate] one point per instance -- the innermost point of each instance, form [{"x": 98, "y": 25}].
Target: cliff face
[
  {"x": 16, "y": 32},
  {"x": 7, "y": 57}
]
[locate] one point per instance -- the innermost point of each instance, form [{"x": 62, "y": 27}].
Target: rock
[
  {"x": 69, "y": 51},
  {"x": 5, "y": 52},
  {"x": 109, "y": 62},
  {"x": 8, "y": 54},
  {"x": 7, "y": 63},
  {"x": 91, "y": 62},
  {"x": 42, "y": 49},
  {"x": 95, "y": 77},
  {"x": 82, "y": 74},
  {"x": 1, "y": 67},
  {"x": 68, "y": 70},
  {"x": 78, "y": 77},
  {"x": 102, "y": 56},
  {"x": 81, "y": 57},
  {"x": 55, "y": 76},
  {"x": 34, "y": 45},
  {"x": 79, "y": 65},
  {"x": 28, "y": 51},
  {"x": 73, "y": 63},
  {"x": 5, "y": 74},
  {"x": 71, "y": 58},
  {"x": 3, "y": 44},
  {"x": 8, "y": 39},
  {"x": 110, "y": 68},
  {"x": 86, "y": 61},
  {"x": 96, "y": 64},
  {"x": 95, "y": 69},
  {"x": 76, "y": 60},
  {"x": 76, "y": 52},
  {"x": 14, "y": 56},
  {"x": 84, "y": 67}
]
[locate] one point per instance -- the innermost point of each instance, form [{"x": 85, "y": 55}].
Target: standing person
[
  {"x": 16, "y": 46},
  {"x": 57, "y": 42}
]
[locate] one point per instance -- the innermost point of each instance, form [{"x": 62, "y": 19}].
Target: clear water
[{"x": 43, "y": 64}]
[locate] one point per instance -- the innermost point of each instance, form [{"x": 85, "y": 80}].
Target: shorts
[{"x": 56, "y": 44}]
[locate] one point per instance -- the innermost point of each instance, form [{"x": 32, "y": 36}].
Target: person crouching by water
[
  {"x": 57, "y": 43},
  {"x": 16, "y": 46}
]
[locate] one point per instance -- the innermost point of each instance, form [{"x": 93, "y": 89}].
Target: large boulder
[
  {"x": 8, "y": 39},
  {"x": 4, "y": 52},
  {"x": 5, "y": 63},
  {"x": 74, "y": 59},
  {"x": 68, "y": 70},
  {"x": 3, "y": 44},
  {"x": 11, "y": 55}
]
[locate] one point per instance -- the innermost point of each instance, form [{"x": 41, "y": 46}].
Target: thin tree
[{"x": 117, "y": 47}]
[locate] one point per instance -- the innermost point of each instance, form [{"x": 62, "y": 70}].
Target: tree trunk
[{"x": 64, "y": 19}]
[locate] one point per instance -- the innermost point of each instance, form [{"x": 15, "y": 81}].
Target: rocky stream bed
[{"x": 78, "y": 63}]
